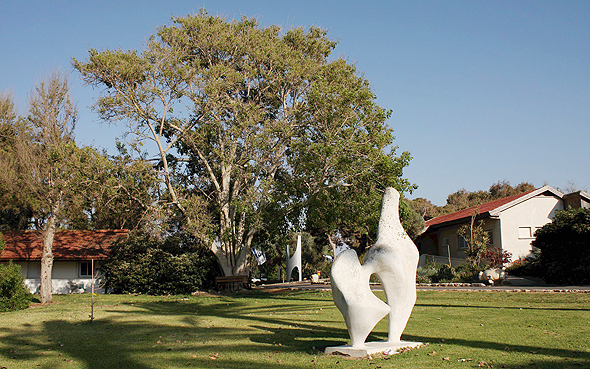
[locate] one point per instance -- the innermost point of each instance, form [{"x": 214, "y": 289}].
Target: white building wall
[
  {"x": 65, "y": 277},
  {"x": 520, "y": 222}
]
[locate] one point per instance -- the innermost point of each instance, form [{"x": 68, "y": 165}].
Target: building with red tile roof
[
  {"x": 510, "y": 222},
  {"x": 74, "y": 254}
]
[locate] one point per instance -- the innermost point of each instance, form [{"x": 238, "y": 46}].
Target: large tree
[
  {"x": 46, "y": 178},
  {"x": 251, "y": 125},
  {"x": 36, "y": 161}
]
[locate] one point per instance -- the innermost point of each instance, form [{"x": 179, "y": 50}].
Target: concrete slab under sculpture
[
  {"x": 394, "y": 259},
  {"x": 371, "y": 348},
  {"x": 294, "y": 261}
]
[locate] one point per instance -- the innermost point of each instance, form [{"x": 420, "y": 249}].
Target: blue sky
[{"x": 481, "y": 91}]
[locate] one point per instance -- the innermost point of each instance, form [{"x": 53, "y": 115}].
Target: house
[
  {"x": 510, "y": 223},
  {"x": 74, "y": 255}
]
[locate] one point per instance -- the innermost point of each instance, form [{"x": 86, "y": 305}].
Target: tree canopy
[{"x": 253, "y": 128}]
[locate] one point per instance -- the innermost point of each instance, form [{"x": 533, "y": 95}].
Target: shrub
[
  {"x": 465, "y": 273},
  {"x": 565, "y": 247},
  {"x": 442, "y": 273},
  {"x": 14, "y": 295},
  {"x": 424, "y": 273},
  {"x": 176, "y": 265},
  {"x": 497, "y": 257}
]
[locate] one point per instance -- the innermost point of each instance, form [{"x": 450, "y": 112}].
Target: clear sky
[{"x": 481, "y": 91}]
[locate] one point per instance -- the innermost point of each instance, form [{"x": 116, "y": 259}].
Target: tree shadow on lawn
[
  {"x": 285, "y": 325},
  {"x": 183, "y": 334},
  {"x": 499, "y": 307},
  {"x": 298, "y": 334},
  {"x": 564, "y": 356},
  {"x": 121, "y": 344},
  {"x": 169, "y": 334}
]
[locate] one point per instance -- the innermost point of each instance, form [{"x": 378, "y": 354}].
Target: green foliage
[
  {"x": 425, "y": 208},
  {"x": 176, "y": 265},
  {"x": 14, "y": 295},
  {"x": 463, "y": 199},
  {"x": 412, "y": 221},
  {"x": 564, "y": 245},
  {"x": 275, "y": 246}
]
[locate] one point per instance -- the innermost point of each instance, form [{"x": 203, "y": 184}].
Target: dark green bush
[
  {"x": 14, "y": 295},
  {"x": 176, "y": 265},
  {"x": 565, "y": 247},
  {"x": 527, "y": 267}
]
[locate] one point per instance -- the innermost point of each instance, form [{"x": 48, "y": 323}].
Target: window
[
  {"x": 490, "y": 234},
  {"x": 524, "y": 232},
  {"x": 85, "y": 269},
  {"x": 461, "y": 242},
  {"x": 33, "y": 270}
]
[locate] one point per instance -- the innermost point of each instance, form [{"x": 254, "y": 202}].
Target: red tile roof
[
  {"x": 467, "y": 213},
  {"x": 67, "y": 245}
]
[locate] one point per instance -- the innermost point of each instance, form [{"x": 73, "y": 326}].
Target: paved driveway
[{"x": 307, "y": 285}]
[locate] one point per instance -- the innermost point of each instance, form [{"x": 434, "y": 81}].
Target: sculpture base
[{"x": 372, "y": 348}]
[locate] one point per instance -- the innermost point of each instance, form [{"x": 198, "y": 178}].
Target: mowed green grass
[{"x": 290, "y": 329}]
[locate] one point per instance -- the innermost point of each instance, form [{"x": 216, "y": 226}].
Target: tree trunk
[
  {"x": 46, "y": 287},
  {"x": 332, "y": 245},
  {"x": 232, "y": 263}
]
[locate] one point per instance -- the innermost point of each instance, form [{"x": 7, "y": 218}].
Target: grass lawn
[{"x": 290, "y": 329}]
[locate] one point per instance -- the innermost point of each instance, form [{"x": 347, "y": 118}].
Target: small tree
[
  {"x": 476, "y": 239},
  {"x": 14, "y": 295}
]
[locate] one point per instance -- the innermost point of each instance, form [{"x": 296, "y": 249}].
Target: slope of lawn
[{"x": 290, "y": 329}]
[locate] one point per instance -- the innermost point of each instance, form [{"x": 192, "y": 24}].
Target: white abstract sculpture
[
  {"x": 295, "y": 260},
  {"x": 394, "y": 259}
]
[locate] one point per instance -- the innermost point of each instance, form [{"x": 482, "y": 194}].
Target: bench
[{"x": 232, "y": 283}]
